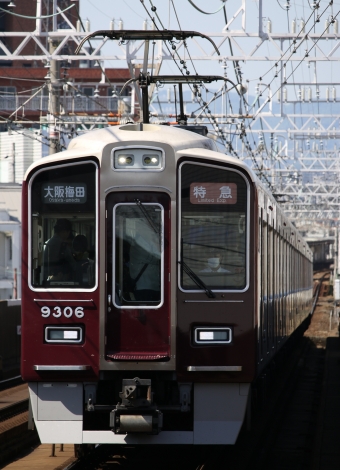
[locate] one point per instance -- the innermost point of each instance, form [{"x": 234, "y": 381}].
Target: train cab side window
[
  {"x": 63, "y": 227},
  {"x": 213, "y": 237}
]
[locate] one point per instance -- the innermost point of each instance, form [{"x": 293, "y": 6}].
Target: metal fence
[
  {"x": 10, "y": 338},
  {"x": 71, "y": 104}
]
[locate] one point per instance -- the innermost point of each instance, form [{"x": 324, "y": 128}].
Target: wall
[{"x": 10, "y": 347}]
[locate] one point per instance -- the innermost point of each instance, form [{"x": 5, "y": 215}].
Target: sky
[{"x": 181, "y": 14}]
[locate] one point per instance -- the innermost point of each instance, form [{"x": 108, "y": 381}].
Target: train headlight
[
  {"x": 150, "y": 160},
  {"x": 124, "y": 160},
  {"x": 138, "y": 159},
  {"x": 212, "y": 335}
]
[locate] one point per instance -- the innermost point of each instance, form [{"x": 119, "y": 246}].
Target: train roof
[{"x": 93, "y": 143}]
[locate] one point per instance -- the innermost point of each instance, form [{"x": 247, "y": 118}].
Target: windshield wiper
[
  {"x": 198, "y": 281},
  {"x": 147, "y": 216}
]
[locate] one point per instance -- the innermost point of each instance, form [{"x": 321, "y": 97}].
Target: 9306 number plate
[{"x": 58, "y": 312}]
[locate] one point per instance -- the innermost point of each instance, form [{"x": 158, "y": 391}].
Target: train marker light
[
  {"x": 212, "y": 335},
  {"x": 60, "y": 334}
]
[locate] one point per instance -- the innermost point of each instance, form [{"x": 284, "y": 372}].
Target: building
[
  {"x": 10, "y": 241},
  {"x": 83, "y": 88},
  {"x": 18, "y": 149}
]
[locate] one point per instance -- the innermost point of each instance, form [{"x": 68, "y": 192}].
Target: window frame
[
  {"x": 30, "y": 227},
  {"x": 135, "y": 306},
  {"x": 179, "y": 254}
]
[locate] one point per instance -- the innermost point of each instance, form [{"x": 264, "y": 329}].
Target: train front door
[{"x": 138, "y": 287}]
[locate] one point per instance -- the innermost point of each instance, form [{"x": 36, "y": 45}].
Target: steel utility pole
[
  {"x": 54, "y": 98},
  {"x": 54, "y": 87}
]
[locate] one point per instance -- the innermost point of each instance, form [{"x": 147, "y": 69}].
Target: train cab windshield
[
  {"x": 213, "y": 238},
  {"x": 63, "y": 227}
]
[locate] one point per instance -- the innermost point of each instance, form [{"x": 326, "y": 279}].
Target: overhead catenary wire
[
  {"x": 300, "y": 62},
  {"x": 36, "y": 17}
]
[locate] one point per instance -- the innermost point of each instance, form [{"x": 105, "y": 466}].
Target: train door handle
[{"x": 109, "y": 302}]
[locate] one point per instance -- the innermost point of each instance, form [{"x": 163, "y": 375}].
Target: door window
[{"x": 138, "y": 255}]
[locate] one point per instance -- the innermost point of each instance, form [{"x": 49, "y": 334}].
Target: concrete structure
[
  {"x": 10, "y": 241},
  {"x": 18, "y": 149}
]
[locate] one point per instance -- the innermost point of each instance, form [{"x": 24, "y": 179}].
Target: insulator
[
  {"x": 285, "y": 94},
  {"x": 269, "y": 26},
  {"x": 327, "y": 94},
  {"x": 145, "y": 25},
  {"x": 293, "y": 26},
  {"x": 193, "y": 96},
  {"x": 112, "y": 24},
  {"x": 299, "y": 93},
  {"x": 321, "y": 144},
  {"x": 302, "y": 94},
  {"x": 317, "y": 93},
  {"x": 335, "y": 27},
  {"x": 120, "y": 25},
  {"x": 279, "y": 96},
  {"x": 153, "y": 26},
  {"x": 334, "y": 93},
  {"x": 308, "y": 144},
  {"x": 309, "y": 94},
  {"x": 87, "y": 26},
  {"x": 169, "y": 95},
  {"x": 78, "y": 25},
  {"x": 327, "y": 26},
  {"x": 302, "y": 26}
]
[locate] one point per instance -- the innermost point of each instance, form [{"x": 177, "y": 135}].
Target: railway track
[
  {"x": 287, "y": 435},
  {"x": 13, "y": 410},
  {"x": 14, "y": 434},
  {"x": 9, "y": 383}
]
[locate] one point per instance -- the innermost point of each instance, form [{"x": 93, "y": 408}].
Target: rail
[{"x": 12, "y": 410}]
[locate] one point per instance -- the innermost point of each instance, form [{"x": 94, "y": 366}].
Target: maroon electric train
[{"x": 159, "y": 279}]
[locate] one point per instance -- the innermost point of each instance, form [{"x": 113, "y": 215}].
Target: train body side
[{"x": 145, "y": 340}]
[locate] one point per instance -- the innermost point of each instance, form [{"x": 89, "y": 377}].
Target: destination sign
[
  {"x": 213, "y": 193},
  {"x": 58, "y": 193}
]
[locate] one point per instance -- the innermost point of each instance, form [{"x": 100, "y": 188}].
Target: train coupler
[
  {"x": 136, "y": 413},
  {"x": 146, "y": 422}
]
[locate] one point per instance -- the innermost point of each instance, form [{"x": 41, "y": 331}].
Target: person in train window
[
  {"x": 84, "y": 272},
  {"x": 59, "y": 263},
  {"x": 213, "y": 264}
]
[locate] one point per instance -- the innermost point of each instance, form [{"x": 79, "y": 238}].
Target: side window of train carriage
[
  {"x": 213, "y": 236},
  {"x": 63, "y": 227}
]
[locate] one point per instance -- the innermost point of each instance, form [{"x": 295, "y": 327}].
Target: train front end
[{"x": 139, "y": 322}]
